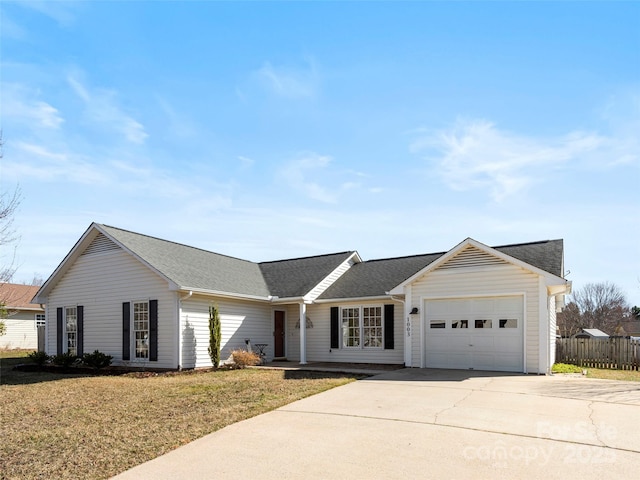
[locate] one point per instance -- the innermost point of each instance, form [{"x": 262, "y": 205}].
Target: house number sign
[{"x": 408, "y": 326}]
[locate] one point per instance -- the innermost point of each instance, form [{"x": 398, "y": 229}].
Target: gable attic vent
[
  {"x": 100, "y": 244},
  {"x": 471, "y": 257}
]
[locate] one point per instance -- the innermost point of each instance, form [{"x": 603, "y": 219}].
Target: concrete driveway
[{"x": 416, "y": 423}]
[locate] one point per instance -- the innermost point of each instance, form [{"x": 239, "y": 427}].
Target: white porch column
[{"x": 303, "y": 333}]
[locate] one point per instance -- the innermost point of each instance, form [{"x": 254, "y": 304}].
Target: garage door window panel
[
  {"x": 508, "y": 323},
  {"x": 460, "y": 324},
  {"x": 437, "y": 324},
  {"x": 483, "y": 323}
]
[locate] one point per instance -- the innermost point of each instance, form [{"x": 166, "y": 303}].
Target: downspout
[
  {"x": 180, "y": 300},
  {"x": 303, "y": 333}
]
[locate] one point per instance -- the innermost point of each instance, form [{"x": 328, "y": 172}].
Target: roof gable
[
  {"x": 190, "y": 268},
  {"x": 299, "y": 276},
  {"x": 471, "y": 253}
]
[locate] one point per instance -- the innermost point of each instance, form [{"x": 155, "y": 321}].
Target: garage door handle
[{"x": 471, "y": 344}]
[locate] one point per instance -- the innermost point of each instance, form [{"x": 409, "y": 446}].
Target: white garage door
[{"x": 475, "y": 333}]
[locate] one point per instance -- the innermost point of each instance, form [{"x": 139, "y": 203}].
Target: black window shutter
[
  {"x": 388, "y": 327},
  {"x": 126, "y": 325},
  {"x": 335, "y": 327},
  {"x": 153, "y": 330},
  {"x": 80, "y": 326},
  {"x": 59, "y": 330}
]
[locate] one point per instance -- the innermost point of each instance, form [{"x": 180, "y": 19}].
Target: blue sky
[{"x": 274, "y": 130}]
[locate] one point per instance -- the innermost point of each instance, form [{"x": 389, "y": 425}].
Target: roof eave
[
  {"x": 354, "y": 299},
  {"x": 219, "y": 293}
]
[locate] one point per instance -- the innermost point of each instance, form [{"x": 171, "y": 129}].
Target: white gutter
[
  {"x": 217, "y": 293},
  {"x": 354, "y": 299}
]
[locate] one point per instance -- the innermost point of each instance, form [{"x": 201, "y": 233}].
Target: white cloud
[
  {"x": 22, "y": 104},
  {"x": 475, "y": 154},
  {"x": 61, "y": 12},
  {"x": 290, "y": 82},
  {"x": 297, "y": 173},
  {"x": 102, "y": 107},
  {"x": 245, "y": 162},
  {"x": 36, "y": 161}
]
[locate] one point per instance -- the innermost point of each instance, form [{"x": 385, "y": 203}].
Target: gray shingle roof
[
  {"x": 547, "y": 255},
  {"x": 296, "y": 277},
  {"x": 376, "y": 277},
  {"x": 194, "y": 268},
  {"x": 198, "y": 269}
]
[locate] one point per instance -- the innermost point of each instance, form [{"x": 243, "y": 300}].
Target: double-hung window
[
  {"x": 141, "y": 329},
  {"x": 40, "y": 320},
  {"x": 71, "y": 329},
  {"x": 362, "y": 327}
]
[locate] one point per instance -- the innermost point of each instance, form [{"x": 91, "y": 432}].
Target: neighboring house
[
  {"x": 631, "y": 328},
  {"x": 145, "y": 301},
  {"x": 23, "y": 317},
  {"x": 591, "y": 333}
]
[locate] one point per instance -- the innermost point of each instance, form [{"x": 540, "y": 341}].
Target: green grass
[
  {"x": 602, "y": 373},
  {"x": 73, "y": 426},
  {"x": 565, "y": 368}
]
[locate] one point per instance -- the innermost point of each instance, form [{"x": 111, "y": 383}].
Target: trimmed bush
[
  {"x": 243, "y": 358},
  {"x": 64, "y": 359},
  {"x": 97, "y": 360},
  {"x": 39, "y": 358}
]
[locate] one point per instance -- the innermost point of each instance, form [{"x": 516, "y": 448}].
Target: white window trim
[
  {"x": 40, "y": 322},
  {"x": 65, "y": 333},
  {"x": 361, "y": 327},
  {"x": 132, "y": 332}
]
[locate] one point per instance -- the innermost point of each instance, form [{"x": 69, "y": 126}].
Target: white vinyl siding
[
  {"x": 318, "y": 338},
  {"x": 468, "y": 282},
  {"x": 101, "y": 282},
  {"x": 21, "y": 331},
  {"x": 240, "y": 320}
]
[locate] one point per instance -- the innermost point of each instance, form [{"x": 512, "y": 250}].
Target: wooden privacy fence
[{"x": 614, "y": 352}]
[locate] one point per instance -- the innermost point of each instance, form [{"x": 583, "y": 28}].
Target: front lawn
[
  {"x": 603, "y": 373},
  {"x": 65, "y": 426}
]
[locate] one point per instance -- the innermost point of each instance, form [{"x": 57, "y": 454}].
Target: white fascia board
[
  {"x": 549, "y": 277},
  {"x": 86, "y": 238},
  {"x": 24, "y": 309},
  {"x": 218, "y": 293},
  {"x": 356, "y": 299},
  {"x": 282, "y": 300}
]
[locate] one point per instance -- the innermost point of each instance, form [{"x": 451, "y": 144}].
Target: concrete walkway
[{"x": 416, "y": 423}]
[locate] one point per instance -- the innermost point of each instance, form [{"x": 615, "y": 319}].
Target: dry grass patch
[
  {"x": 625, "y": 375},
  {"x": 95, "y": 427}
]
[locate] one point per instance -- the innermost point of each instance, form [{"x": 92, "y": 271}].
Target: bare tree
[
  {"x": 8, "y": 237},
  {"x": 596, "y": 305},
  {"x": 9, "y": 203}
]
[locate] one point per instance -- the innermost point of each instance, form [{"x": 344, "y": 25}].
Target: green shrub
[
  {"x": 215, "y": 335},
  {"x": 64, "y": 359},
  {"x": 39, "y": 358},
  {"x": 243, "y": 358},
  {"x": 97, "y": 360},
  {"x": 565, "y": 368}
]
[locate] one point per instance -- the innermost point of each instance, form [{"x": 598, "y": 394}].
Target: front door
[{"x": 278, "y": 333}]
